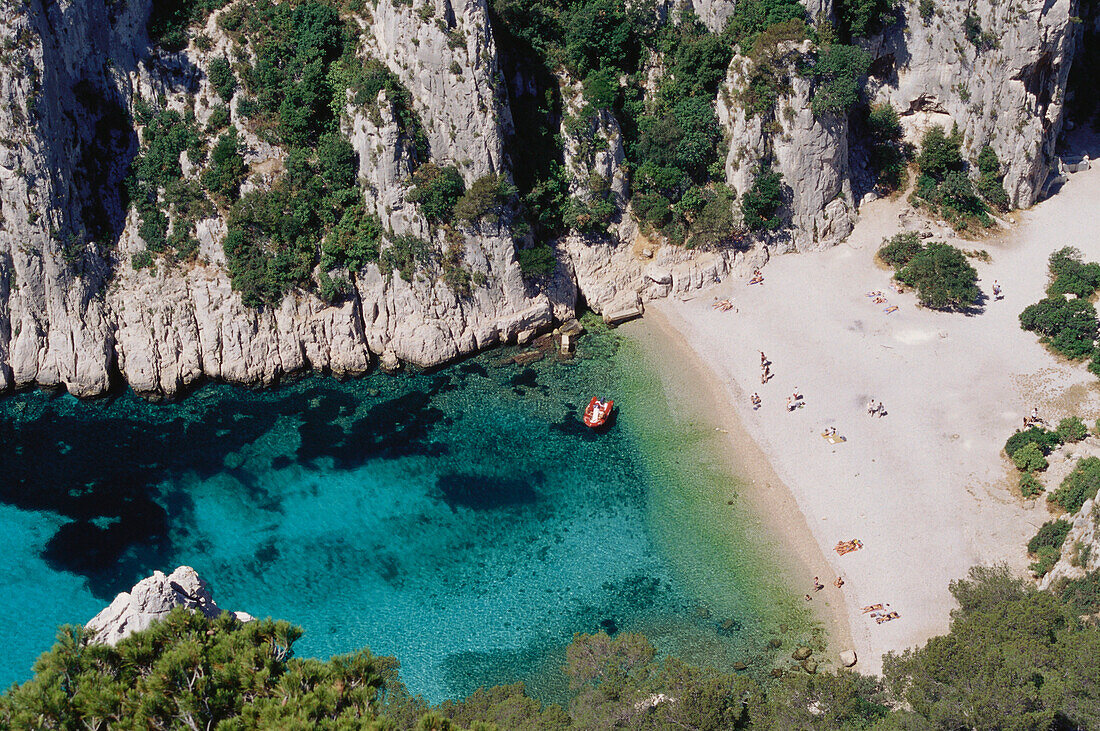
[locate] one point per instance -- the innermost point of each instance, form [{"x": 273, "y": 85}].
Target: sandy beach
[{"x": 925, "y": 487}]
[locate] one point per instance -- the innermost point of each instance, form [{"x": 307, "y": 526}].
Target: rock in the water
[
  {"x": 848, "y": 658},
  {"x": 740, "y": 665},
  {"x": 151, "y": 599},
  {"x": 801, "y": 653},
  {"x": 810, "y": 666},
  {"x": 775, "y": 642}
]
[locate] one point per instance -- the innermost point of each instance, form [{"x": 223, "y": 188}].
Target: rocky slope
[
  {"x": 151, "y": 599},
  {"x": 75, "y": 314}
]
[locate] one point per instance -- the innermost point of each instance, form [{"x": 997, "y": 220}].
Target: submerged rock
[
  {"x": 151, "y": 599},
  {"x": 801, "y": 653}
]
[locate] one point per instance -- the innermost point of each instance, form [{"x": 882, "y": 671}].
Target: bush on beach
[
  {"x": 1047, "y": 440},
  {"x": 1071, "y": 429},
  {"x": 1029, "y": 458},
  {"x": 1029, "y": 486},
  {"x": 942, "y": 276}
]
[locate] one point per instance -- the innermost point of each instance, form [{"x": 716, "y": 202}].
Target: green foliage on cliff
[
  {"x": 437, "y": 190},
  {"x": 990, "y": 183},
  {"x": 227, "y": 169},
  {"x": 1080, "y": 485},
  {"x": 170, "y": 20},
  {"x": 943, "y": 183},
  {"x": 838, "y": 74},
  {"x": 889, "y": 154},
  {"x": 762, "y": 202}
]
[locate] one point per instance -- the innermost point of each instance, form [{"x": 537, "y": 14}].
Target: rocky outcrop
[
  {"x": 75, "y": 314},
  {"x": 1081, "y": 549},
  {"x": 810, "y": 152},
  {"x": 150, "y": 600},
  {"x": 164, "y": 328},
  {"x": 1003, "y": 83}
]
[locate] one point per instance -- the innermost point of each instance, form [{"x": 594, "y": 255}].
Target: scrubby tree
[
  {"x": 944, "y": 279},
  {"x": 1067, "y": 326},
  {"x": 760, "y": 205},
  {"x": 437, "y": 189},
  {"x": 1079, "y": 485}
]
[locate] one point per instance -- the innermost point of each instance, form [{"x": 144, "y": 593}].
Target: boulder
[
  {"x": 848, "y": 658},
  {"x": 801, "y": 653},
  {"x": 151, "y": 599}
]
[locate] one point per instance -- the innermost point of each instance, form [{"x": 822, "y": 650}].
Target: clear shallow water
[{"x": 464, "y": 521}]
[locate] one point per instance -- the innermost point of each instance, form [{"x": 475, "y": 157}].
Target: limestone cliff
[{"x": 73, "y": 76}]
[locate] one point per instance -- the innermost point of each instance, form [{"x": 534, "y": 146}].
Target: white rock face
[
  {"x": 1082, "y": 542},
  {"x": 1009, "y": 96},
  {"x": 151, "y": 599},
  {"x": 75, "y": 314},
  {"x": 810, "y": 153}
]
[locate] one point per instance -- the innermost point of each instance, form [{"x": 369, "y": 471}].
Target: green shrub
[
  {"x": 990, "y": 183},
  {"x": 1029, "y": 458},
  {"x": 927, "y": 9},
  {"x": 1052, "y": 534},
  {"x": 862, "y": 18},
  {"x": 899, "y": 249},
  {"x": 1071, "y": 429},
  {"x": 486, "y": 200},
  {"x": 141, "y": 259},
  {"x": 227, "y": 168},
  {"x": 838, "y": 76},
  {"x": 1047, "y": 440},
  {"x": 1067, "y": 326},
  {"x": 761, "y": 204},
  {"x": 537, "y": 260},
  {"x": 354, "y": 242},
  {"x": 1079, "y": 486},
  {"x": 405, "y": 255},
  {"x": 1048, "y": 557},
  {"x": 219, "y": 118},
  {"x": 944, "y": 279},
  {"x": 940, "y": 153},
  {"x": 221, "y": 78},
  {"x": 1069, "y": 274},
  {"x": 1029, "y": 486},
  {"x": 1081, "y": 595},
  {"x": 436, "y": 190},
  {"x": 889, "y": 155}
]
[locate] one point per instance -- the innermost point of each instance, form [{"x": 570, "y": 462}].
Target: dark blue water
[{"x": 464, "y": 521}]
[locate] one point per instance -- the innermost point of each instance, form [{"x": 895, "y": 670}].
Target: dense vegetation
[
  {"x": 942, "y": 276},
  {"x": 1015, "y": 657},
  {"x": 1067, "y": 326},
  {"x": 944, "y": 184}
]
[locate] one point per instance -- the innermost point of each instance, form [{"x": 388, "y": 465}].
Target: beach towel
[{"x": 836, "y": 439}]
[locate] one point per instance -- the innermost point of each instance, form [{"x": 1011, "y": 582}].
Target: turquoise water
[{"x": 464, "y": 520}]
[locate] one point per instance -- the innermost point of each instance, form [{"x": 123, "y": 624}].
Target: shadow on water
[
  {"x": 487, "y": 492},
  {"x": 108, "y": 466}
]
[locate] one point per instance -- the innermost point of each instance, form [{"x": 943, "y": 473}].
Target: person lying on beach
[
  {"x": 879, "y": 300},
  {"x": 790, "y": 406},
  {"x": 763, "y": 359},
  {"x": 890, "y": 309},
  {"x": 872, "y": 608},
  {"x": 830, "y": 431},
  {"x": 755, "y": 399},
  {"x": 887, "y": 617},
  {"x": 876, "y": 293},
  {"x": 839, "y": 582},
  {"x": 818, "y": 586},
  {"x": 757, "y": 277}
]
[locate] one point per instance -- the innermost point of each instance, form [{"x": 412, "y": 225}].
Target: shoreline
[
  {"x": 767, "y": 498},
  {"x": 925, "y": 488}
]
